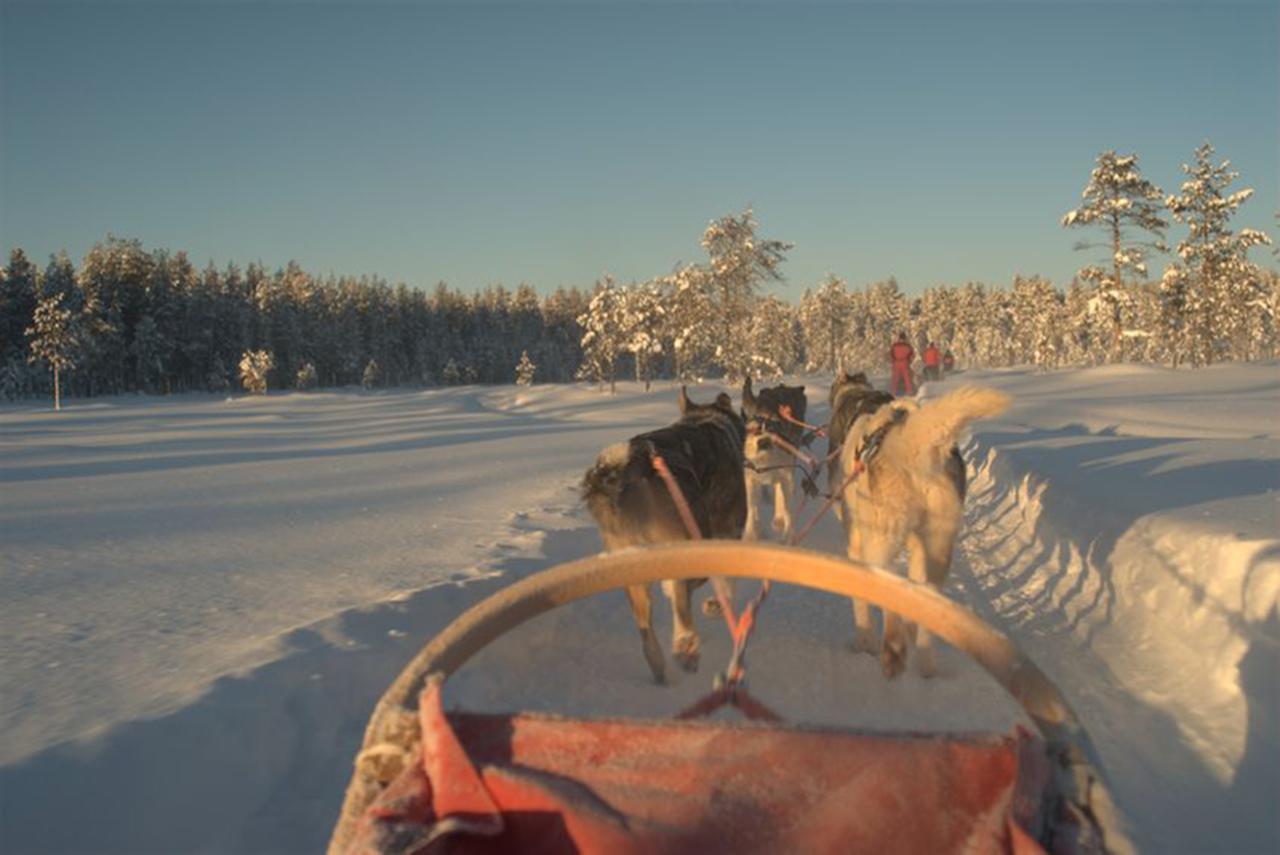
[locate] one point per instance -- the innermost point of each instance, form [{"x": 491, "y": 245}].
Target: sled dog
[
  {"x": 851, "y": 396},
  {"x": 908, "y": 497},
  {"x": 769, "y": 466},
  {"x": 632, "y": 505}
]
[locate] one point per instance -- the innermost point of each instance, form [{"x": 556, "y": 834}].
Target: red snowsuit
[
  {"x": 901, "y": 355},
  {"x": 931, "y": 361}
]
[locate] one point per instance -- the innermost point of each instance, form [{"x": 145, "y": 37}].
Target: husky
[
  {"x": 769, "y": 466},
  {"x": 632, "y": 506},
  {"x": 851, "y": 397},
  {"x": 907, "y": 497}
]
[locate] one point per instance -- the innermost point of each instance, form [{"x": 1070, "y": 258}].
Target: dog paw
[
  {"x": 686, "y": 652},
  {"x": 864, "y": 641},
  {"x": 926, "y": 664},
  {"x": 893, "y": 659},
  {"x": 711, "y": 607}
]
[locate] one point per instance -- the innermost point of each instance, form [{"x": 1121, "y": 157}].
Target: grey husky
[{"x": 633, "y": 506}]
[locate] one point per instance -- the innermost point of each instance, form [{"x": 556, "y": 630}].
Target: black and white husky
[
  {"x": 633, "y": 506},
  {"x": 907, "y": 495},
  {"x": 770, "y": 467}
]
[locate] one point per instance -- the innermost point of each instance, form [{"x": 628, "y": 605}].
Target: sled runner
[{"x": 430, "y": 781}]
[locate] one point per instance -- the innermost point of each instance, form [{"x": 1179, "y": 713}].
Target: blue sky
[{"x": 486, "y": 142}]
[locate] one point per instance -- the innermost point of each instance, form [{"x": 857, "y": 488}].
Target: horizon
[{"x": 550, "y": 145}]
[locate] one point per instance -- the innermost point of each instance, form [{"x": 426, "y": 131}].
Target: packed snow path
[{"x": 200, "y": 599}]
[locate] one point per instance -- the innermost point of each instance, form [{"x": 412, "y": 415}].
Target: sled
[{"x": 430, "y": 781}]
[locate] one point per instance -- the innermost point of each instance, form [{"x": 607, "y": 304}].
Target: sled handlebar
[{"x": 394, "y": 718}]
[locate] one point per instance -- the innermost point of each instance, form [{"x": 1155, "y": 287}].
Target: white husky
[{"x": 909, "y": 498}]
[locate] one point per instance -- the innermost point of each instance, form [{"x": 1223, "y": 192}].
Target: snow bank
[{"x": 1122, "y": 527}]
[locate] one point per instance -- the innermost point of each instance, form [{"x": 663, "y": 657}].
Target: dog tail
[
  {"x": 939, "y": 422},
  {"x": 602, "y": 487}
]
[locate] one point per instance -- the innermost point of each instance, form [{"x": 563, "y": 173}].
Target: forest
[{"x": 128, "y": 319}]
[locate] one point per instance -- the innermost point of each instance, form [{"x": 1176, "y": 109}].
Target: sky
[{"x": 489, "y": 143}]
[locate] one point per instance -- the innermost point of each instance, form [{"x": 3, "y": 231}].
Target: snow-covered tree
[
  {"x": 372, "y": 375},
  {"x": 525, "y": 370},
  {"x": 1120, "y": 202},
  {"x": 52, "y": 339},
  {"x": 19, "y": 292},
  {"x": 306, "y": 378},
  {"x": 691, "y": 325},
  {"x": 643, "y": 323},
  {"x": 739, "y": 262},
  {"x": 824, "y": 317},
  {"x": 604, "y": 327},
  {"x": 775, "y": 338},
  {"x": 1035, "y": 311},
  {"x": 255, "y": 365},
  {"x": 1216, "y": 289}
]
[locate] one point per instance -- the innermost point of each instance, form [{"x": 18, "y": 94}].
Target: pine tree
[
  {"x": 739, "y": 263},
  {"x": 1118, "y": 200},
  {"x": 525, "y": 370},
  {"x": 774, "y": 338},
  {"x": 691, "y": 324},
  {"x": 53, "y": 341},
  {"x": 372, "y": 375},
  {"x": 19, "y": 292},
  {"x": 824, "y": 317},
  {"x": 604, "y": 326},
  {"x": 306, "y": 379},
  {"x": 1216, "y": 289},
  {"x": 255, "y": 365},
  {"x": 644, "y": 319}
]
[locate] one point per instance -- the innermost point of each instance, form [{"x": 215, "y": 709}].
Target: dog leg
[
  {"x": 782, "y": 490},
  {"x": 685, "y": 645},
  {"x": 918, "y": 571},
  {"x": 878, "y": 550},
  {"x": 751, "y": 530},
  {"x": 711, "y": 605},
  {"x": 864, "y": 636},
  {"x": 641, "y": 598}
]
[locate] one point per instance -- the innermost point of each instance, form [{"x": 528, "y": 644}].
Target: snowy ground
[{"x": 200, "y": 599}]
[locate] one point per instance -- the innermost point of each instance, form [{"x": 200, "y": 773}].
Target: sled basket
[{"x": 430, "y": 781}]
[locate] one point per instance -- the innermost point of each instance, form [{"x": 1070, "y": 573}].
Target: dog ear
[
  {"x": 748, "y": 398},
  {"x": 684, "y": 400},
  {"x": 724, "y": 402}
]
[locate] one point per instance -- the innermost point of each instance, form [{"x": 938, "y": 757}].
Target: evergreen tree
[
  {"x": 604, "y": 328},
  {"x": 525, "y": 370},
  {"x": 1216, "y": 289},
  {"x": 644, "y": 319},
  {"x": 255, "y": 365},
  {"x": 52, "y": 340},
  {"x": 739, "y": 263},
  {"x": 1118, "y": 200},
  {"x": 372, "y": 375},
  {"x": 691, "y": 325},
  {"x": 824, "y": 317},
  {"x": 19, "y": 292},
  {"x": 306, "y": 379}
]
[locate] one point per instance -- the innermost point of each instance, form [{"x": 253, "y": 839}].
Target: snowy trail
[{"x": 267, "y": 696}]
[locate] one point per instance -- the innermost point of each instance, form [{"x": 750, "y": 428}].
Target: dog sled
[{"x": 430, "y": 781}]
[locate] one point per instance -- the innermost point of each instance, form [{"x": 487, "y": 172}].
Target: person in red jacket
[
  {"x": 900, "y": 355},
  {"x": 932, "y": 362}
]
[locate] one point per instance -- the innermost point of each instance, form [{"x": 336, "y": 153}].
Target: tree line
[{"x": 132, "y": 320}]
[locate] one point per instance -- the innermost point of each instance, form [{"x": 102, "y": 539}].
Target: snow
[{"x": 201, "y": 598}]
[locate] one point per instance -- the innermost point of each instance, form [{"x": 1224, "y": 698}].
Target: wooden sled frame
[{"x": 392, "y": 739}]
